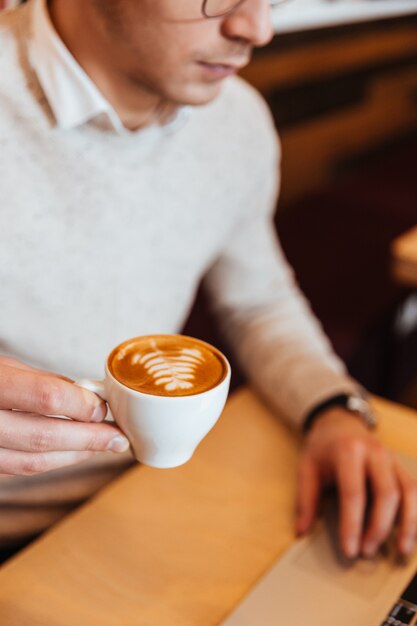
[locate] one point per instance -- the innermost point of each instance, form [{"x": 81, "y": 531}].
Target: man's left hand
[{"x": 339, "y": 449}]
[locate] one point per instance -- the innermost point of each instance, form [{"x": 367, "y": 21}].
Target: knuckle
[
  {"x": 50, "y": 398},
  {"x": 103, "y": 435},
  {"x": 97, "y": 441},
  {"x": 34, "y": 465},
  {"x": 41, "y": 441},
  {"x": 354, "y": 447}
]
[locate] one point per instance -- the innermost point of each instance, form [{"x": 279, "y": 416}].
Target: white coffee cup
[{"x": 163, "y": 431}]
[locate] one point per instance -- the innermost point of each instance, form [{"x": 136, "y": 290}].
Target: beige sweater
[{"x": 106, "y": 236}]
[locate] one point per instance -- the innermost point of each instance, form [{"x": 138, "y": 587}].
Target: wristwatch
[{"x": 355, "y": 403}]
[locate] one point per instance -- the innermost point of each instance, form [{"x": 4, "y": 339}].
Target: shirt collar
[{"x": 72, "y": 95}]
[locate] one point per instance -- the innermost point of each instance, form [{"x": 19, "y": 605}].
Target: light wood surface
[
  {"x": 175, "y": 547},
  {"x": 404, "y": 258}
]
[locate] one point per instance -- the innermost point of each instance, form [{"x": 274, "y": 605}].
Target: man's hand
[
  {"x": 30, "y": 441},
  {"x": 340, "y": 450}
]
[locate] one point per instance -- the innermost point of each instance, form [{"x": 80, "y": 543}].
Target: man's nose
[{"x": 251, "y": 22}]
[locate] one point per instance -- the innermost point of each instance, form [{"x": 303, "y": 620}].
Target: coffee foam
[{"x": 167, "y": 365}]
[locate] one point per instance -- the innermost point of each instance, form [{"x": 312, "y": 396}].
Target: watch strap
[{"x": 351, "y": 402}]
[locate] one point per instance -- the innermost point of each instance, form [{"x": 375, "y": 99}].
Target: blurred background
[{"x": 340, "y": 77}]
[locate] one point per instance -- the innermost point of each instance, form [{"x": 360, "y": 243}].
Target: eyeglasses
[{"x": 218, "y": 8}]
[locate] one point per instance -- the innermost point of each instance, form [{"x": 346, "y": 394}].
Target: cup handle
[{"x": 96, "y": 386}]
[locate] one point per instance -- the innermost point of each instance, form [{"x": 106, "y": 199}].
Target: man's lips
[{"x": 221, "y": 70}]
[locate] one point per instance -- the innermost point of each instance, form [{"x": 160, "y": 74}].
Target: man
[{"x": 132, "y": 164}]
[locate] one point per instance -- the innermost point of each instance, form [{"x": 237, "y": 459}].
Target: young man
[{"x": 132, "y": 164}]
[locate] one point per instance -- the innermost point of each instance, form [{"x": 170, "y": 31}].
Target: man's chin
[{"x": 200, "y": 95}]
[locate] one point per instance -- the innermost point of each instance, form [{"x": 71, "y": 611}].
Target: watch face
[{"x": 360, "y": 406}]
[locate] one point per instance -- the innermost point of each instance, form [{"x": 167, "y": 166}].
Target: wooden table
[
  {"x": 404, "y": 258},
  {"x": 175, "y": 547}
]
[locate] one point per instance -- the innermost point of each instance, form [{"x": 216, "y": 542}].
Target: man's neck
[{"x": 136, "y": 107}]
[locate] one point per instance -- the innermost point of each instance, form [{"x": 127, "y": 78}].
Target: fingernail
[
  {"x": 118, "y": 444},
  {"x": 99, "y": 413},
  {"x": 351, "y": 547},
  {"x": 369, "y": 549}
]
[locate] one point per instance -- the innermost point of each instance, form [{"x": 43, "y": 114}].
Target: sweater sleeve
[{"x": 278, "y": 342}]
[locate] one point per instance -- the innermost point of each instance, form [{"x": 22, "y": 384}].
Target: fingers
[
  {"x": 351, "y": 479},
  {"x": 345, "y": 453},
  {"x": 386, "y": 499},
  {"x": 308, "y": 492},
  {"x": 35, "y": 392},
  {"x": 36, "y": 433},
  {"x": 407, "y": 530},
  {"x": 17, "y": 463}
]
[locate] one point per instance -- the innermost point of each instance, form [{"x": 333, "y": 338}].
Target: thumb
[{"x": 308, "y": 492}]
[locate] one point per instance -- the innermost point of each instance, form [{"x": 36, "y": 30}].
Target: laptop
[{"x": 313, "y": 584}]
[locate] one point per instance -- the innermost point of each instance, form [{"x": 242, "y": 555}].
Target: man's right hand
[{"x": 31, "y": 442}]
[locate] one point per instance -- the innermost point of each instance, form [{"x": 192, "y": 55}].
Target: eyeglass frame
[{"x": 238, "y": 3}]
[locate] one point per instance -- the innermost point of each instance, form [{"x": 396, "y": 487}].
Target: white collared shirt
[{"x": 71, "y": 94}]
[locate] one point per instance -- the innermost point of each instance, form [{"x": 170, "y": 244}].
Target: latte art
[
  {"x": 167, "y": 365},
  {"x": 175, "y": 370}
]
